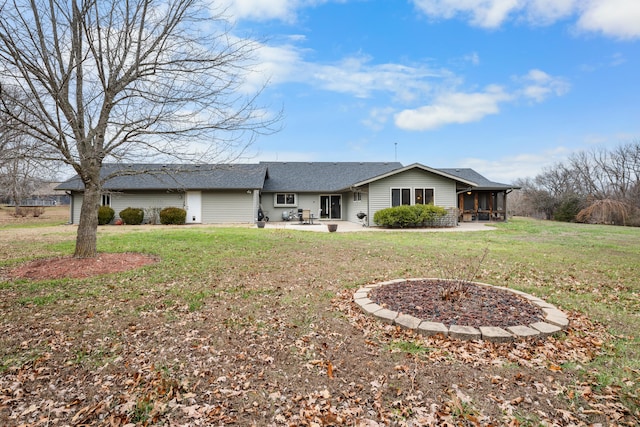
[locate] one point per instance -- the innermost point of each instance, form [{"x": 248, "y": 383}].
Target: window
[
  {"x": 423, "y": 196},
  {"x": 400, "y": 196},
  {"x": 285, "y": 199},
  {"x": 357, "y": 196},
  {"x": 106, "y": 200}
]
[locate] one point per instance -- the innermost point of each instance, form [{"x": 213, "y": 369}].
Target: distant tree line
[
  {"x": 599, "y": 186},
  {"x": 24, "y": 163}
]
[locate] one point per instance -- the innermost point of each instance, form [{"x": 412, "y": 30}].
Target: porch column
[
  {"x": 506, "y": 211},
  {"x": 475, "y": 205},
  {"x": 490, "y": 205}
]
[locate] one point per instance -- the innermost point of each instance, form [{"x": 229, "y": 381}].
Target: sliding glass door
[{"x": 331, "y": 206}]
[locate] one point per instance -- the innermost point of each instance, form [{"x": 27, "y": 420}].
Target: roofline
[{"x": 414, "y": 166}]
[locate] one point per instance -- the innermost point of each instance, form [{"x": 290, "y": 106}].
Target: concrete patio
[{"x": 346, "y": 227}]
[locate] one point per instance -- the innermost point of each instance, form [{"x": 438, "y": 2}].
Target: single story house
[
  {"x": 46, "y": 195},
  {"x": 234, "y": 193}
]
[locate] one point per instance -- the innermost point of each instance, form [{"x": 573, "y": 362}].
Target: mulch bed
[
  {"x": 77, "y": 268},
  {"x": 457, "y": 303}
]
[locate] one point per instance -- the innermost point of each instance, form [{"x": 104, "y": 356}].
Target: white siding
[
  {"x": 217, "y": 207},
  {"x": 444, "y": 189},
  {"x": 76, "y": 205},
  {"x": 309, "y": 201},
  {"x": 228, "y": 207},
  {"x": 351, "y": 208},
  {"x": 158, "y": 199}
]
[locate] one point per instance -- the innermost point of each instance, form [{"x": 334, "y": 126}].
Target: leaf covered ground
[{"x": 237, "y": 326}]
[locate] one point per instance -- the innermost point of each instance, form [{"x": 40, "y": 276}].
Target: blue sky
[{"x": 506, "y": 87}]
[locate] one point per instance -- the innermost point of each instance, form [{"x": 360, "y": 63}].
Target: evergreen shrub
[
  {"x": 173, "y": 216},
  {"x": 132, "y": 216},
  {"x": 406, "y": 216},
  {"x": 105, "y": 215}
]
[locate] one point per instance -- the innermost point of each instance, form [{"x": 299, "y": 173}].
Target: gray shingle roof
[
  {"x": 420, "y": 167},
  {"x": 266, "y": 176},
  {"x": 471, "y": 175},
  {"x": 176, "y": 177},
  {"x": 322, "y": 176}
]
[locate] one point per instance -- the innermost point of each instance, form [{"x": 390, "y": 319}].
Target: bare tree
[
  {"x": 22, "y": 169},
  {"x": 598, "y": 185},
  {"x": 117, "y": 80},
  {"x": 18, "y": 172}
]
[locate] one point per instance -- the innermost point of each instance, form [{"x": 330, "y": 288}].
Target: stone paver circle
[{"x": 554, "y": 322}]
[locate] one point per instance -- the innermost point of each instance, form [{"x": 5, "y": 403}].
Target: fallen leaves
[{"x": 248, "y": 367}]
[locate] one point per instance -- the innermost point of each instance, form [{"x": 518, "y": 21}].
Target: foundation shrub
[
  {"x": 406, "y": 216},
  {"x": 105, "y": 215},
  {"x": 173, "y": 216},
  {"x": 132, "y": 216}
]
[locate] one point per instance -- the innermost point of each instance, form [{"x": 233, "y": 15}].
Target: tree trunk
[{"x": 86, "y": 239}]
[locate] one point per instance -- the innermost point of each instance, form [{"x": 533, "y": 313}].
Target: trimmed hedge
[
  {"x": 132, "y": 216},
  {"x": 173, "y": 216},
  {"x": 406, "y": 216},
  {"x": 105, "y": 215}
]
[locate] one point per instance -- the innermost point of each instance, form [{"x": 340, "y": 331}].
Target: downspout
[{"x": 71, "y": 198}]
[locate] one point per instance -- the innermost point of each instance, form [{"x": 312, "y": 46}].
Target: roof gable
[{"x": 439, "y": 172}]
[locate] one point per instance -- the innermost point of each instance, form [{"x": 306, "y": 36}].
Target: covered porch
[{"x": 483, "y": 205}]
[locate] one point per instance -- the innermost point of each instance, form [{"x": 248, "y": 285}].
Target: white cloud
[
  {"x": 460, "y": 107},
  {"x": 617, "y": 18},
  {"x": 451, "y": 108},
  {"x": 545, "y": 12},
  {"x": 481, "y": 13},
  {"x": 509, "y": 168},
  {"x": 261, "y": 10},
  {"x": 265, "y": 10},
  {"x": 539, "y": 85},
  {"x": 353, "y": 75},
  {"x": 474, "y": 58},
  {"x": 278, "y": 64},
  {"x": 378, "y": 117},
  {"x": 613, "y": 18}
]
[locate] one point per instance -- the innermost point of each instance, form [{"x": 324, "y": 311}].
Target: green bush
[
  {"x": 173, "y": 216},
  {"x": 132, "y": 216},
  {"x": 105, "y": 215},
  {"x": 408, "y": 216},
  {"x": 568, "y": 209}
]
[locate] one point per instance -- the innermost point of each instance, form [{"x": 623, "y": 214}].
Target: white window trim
[
  {"x": 433, "y": 190},
  {"x": 400, "y": 189},
  {"x": 412, "y": 194},
  {"x": 285, "y": 205}
]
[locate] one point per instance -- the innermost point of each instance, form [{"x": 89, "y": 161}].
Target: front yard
[{"x": 253, "y": 326}]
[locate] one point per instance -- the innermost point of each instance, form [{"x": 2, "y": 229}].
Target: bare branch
[{"x": 112, "y": 80}]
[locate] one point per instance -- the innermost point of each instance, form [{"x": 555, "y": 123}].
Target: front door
[
  {"x": 193, "y": 207},
  {"x": 331, "y": 206}
]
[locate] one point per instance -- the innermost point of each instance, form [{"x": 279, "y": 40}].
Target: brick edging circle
[{"x": 554, "y": 319}]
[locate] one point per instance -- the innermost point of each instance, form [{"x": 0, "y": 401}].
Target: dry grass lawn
[{"x": 242, "y": 326}]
